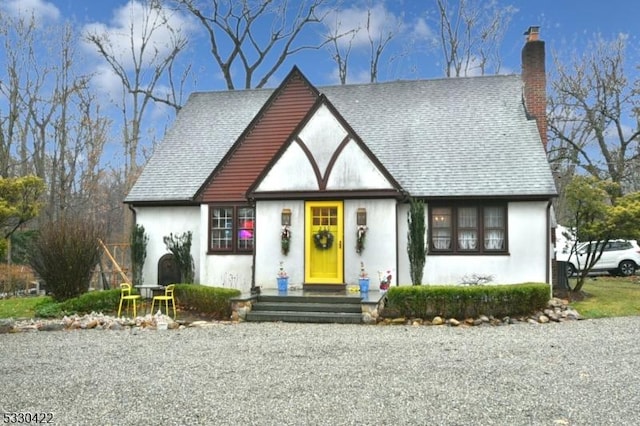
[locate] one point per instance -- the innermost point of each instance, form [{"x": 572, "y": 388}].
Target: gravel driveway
[{"x": 572, "y": 373}]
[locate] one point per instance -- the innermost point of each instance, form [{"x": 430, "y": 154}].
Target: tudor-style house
[{"x": 325, "y": 163}]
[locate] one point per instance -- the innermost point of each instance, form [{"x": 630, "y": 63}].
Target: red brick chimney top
[
  {"x": 533, "y": 33},
  {"x": 535, "y": 81}
]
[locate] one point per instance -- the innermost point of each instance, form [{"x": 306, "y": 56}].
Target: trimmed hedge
[
  {"x": 93, "y": 301},
  {"x": 465, "y": 302},
  {"x": 211, "y": 301}
]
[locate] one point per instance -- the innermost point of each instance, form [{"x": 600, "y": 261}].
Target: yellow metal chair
[
  {"x": 168, "y": 296},
  {"x": 125, "y": 294}
]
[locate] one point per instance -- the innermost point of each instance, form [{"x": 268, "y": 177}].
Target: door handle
[{"x": 340, "y": 244}]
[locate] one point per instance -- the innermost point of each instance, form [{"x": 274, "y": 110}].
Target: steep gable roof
[
  {"x": 200, "y": 137},
  {"x": 458, "y": 137},
  {"x": 322, "y": 137},
  {"x": 260, "y": 141}
]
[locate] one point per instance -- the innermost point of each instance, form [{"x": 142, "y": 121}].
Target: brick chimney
[{"x": 535, "y": 80}]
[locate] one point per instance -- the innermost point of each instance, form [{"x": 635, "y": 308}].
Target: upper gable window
[
  {"x": 473, "y": 229},
  {"x": 231, "y": 229}
]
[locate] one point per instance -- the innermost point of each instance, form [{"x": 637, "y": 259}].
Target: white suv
[{"x": 620, "y": 257}]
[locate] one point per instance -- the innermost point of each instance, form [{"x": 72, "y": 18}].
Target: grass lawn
[
  {"x": 609, "y": 297},
  {"x": 20, "y": 307}
]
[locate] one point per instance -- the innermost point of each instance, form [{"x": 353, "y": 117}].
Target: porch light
[
  {"x": 361, "y": 217},
  {"x": 286, "y": 217}
]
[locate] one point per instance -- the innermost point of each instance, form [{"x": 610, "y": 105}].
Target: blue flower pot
[
  {"x": 364, "y": 285},
  {"x": 283, "y": 284}
]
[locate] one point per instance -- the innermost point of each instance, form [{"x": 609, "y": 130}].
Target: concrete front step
[
  {"x": 308, "y": 307},
  {"x": 310, "y": 317},
  {"x": 316, "y": 298}
]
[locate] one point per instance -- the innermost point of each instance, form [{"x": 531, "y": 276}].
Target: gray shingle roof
[
  {"x": 438, "y": 138},
  {"x": 204, "y": 130}
]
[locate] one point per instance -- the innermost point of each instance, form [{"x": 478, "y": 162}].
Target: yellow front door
[{"x": 323, "y": 242}]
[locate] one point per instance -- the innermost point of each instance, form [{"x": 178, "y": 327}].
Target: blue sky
[{"x": 566, "y": 27}]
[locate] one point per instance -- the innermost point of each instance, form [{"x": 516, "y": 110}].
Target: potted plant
[
  {"x": 363, "y": 279},
  {"x": 283, "y": 279}
]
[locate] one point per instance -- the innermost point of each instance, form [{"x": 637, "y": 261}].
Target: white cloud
[
  {"x": 422, "y": 30},
  {"x": 381, "y": 23},
  {"x": 39, "y": 9},
  {"x": 132, "y": 25},
  {"x": 108, "y": 83},
  {"x": 473, "y": 69}
]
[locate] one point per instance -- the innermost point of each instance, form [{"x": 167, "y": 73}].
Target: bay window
[{"x": 468, "y": 228}]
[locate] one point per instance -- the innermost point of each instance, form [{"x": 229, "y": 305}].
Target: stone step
[
  {"x": 328, "y": 299},
  {"x": 308, "y": 317},
  {"x": 307, "y": 307}
]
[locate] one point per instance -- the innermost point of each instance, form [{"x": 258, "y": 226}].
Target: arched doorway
[{"x": 168, "y": 272}]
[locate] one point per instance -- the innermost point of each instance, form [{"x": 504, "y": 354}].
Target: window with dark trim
[
  {"x": 231, "y": 229},
  {"x": 468, "y": 228}
]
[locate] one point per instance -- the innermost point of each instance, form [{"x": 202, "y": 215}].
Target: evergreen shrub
[
  {"x": 428, "y": 301},
  {"x": 210, "y": 301}
]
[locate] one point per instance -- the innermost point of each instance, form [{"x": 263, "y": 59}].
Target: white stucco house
[{"x": 237, "y": 166}]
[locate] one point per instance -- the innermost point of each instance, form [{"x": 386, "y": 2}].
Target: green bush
[
  {"x": 64, "y": 255},
  {"x": 94, "y": 301},
  {"x": 213, "y": 301},
  {"x": 49, "y": 309},
  {"x": 465, "y": 302}
]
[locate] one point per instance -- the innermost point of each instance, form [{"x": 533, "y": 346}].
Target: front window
[
  {"x": 468, "y": 229},
  {"x": 246, "y": 221},
  {"x": 494, "y": 228},
  {"x": 231, "y": 229},
  {"x": 441, "y": 228}
]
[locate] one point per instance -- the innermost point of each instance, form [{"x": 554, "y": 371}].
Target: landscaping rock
[
  {"x": 115, "y": 326},
  {"x": 93, "y": 321},
  {"x": 6, "y": 325},
  {"x": 557, "y": 310},
  {"x": 51, "y": 326}
]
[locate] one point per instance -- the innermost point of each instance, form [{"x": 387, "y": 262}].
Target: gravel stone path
[{"x": 570, "y": 373}]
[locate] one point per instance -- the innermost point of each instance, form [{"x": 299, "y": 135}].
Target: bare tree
[
  {"x": 142, "y": 60},
  {"x": 594, "y": 116},
  {"x": 470, "y": 35},
  {"x": 18, "y": 76},
  {"x": 50, "y": 128},
  {"x": 340, "y": 48},
  {"x": 377, "y": 43},
  {"x": 256, "y": 37},
  {"x": 372, "y": 29}
]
